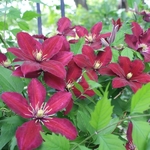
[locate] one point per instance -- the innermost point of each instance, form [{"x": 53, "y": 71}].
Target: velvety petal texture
[
  {"x": 28, "y": 136},
  {"x": 17, "y": 103},
  {"x": 62, "y": 126},
  {"x": 59, "y": 101},
  {"x": 36, "y": 93}
]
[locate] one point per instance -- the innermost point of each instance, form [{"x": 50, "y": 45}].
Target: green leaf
[
  {"x": 140, "y": 100},
  {"x": 93, "y": 84},
  {"x": 127, "y": 52},
  {"x": 54, "y": 142},
  {"x": 23, "y": 25},
  {"x": 77, "y": 47},
  {"x": 110, "y": 142},
  {"x": 7, "y": 132},
  {"x": 14, "y": 13},
  {"x": 8, "y": 128},
  {"x": 140, "y": 134},
  {"x": 101, "y": 116},
  {"x": 29, "y": 15},
  {"x": 148, "y": 143},
  {"x": 3, "y": 25},
  {"x": 79, "y": 87},
  {"x": 115, "y": 55},
  {"x": 9, "y": 82},
  {"x": 83, "y": 148},
  {"x": 13, "y": 143},
  {"x": 15, "y": 31},
  {"x": 83, "y": 124}
]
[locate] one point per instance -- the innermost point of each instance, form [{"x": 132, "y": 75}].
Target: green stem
[{"x": 1, "y": 38}]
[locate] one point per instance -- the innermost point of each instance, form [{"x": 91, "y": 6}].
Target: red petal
[
  {"x": 59, "y": 101},
  {"x": 29, "y": 67},
  {"x": 54, "y": 67},
  {"x": 142, "y": 78},
  {"x": 62, "y": 126},
  {"x": 52, "y": 46},
  {"x": 137, "y": 67},
  {"x": 69, "y": 107},
  {"x": 96, "y": 28},
  {"x": 73, "y": 72},
  {"x": 64, "y": 57},
  {"x": 28, "y": 136},
  {"x": 17, "y": 103},
  {"x": 82, "y": 61},
  {"x": 89, "y": 52},
  {"x": 54, "y": 82},
  {"x": 136, "y": 29},
  {"x": 63, "y": 24},
  {"x": 119, "y": 82},
  {"x": 81, "y": 31},
  {"x": 105, "y": 56},
  {"x": 125, "y": 64},
  {"x": 36, "y": 93},
  {"x": 131, "y": 40},
  {"x": 17, "y": 52},
  {"x": 27, "y": 43},
  {"x": 135, "y": 86},
  {"x": 116, "y": 69},
  {"x": 2, "y": 58}
]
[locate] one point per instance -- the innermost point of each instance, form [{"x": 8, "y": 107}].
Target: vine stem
[{"x": 116, "y": 123}]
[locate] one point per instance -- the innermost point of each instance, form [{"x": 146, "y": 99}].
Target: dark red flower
[
  {"x": 92, "y": 61},
  {"x": 127, "y": 72},
  {"x": 146, "y": 15},
  {"x": 92, "y": 38},
  {"x": 37, "y": 57},
  {"x": 28, "y": 135},
  {"x": 139, "y": 40}
]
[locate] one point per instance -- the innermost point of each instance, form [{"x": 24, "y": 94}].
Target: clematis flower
[
  {"x": 129, "y": 144},
  {"x": 93, "y": 62},
  {"x": 92, "y": 38},
  {"x": 139, "y": 40},
  {"x": 39, "y": 112},
  {"x": 128, "y": 73},
  {"x": 146, "y": 15},
  {"x": 37, "y": 57}
]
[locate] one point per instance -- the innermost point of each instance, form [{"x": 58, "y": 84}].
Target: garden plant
[{"x": 81, "y": 87}]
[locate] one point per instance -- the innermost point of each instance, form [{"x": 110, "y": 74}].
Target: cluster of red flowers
[{"x": 60, "y": 69}]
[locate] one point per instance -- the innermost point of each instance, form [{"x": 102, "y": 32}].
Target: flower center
[
  {"x": 69, "y": 85},
  {"x": 90, "y": 38},
  {"x": 131, "y": 146},
  {"x": 97, "y": 65},
  {"x": 6, "y": 63},
  {"x": 38, "y": 55},
  {"x": 129, "y": 75},
  {"x": 40, "y": 114},
  {"x": 143, "y": 47}
]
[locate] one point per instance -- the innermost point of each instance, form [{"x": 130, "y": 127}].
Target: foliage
[{"x": 92, "y": 67}]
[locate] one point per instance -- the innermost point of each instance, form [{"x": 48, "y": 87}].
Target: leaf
[
  {"x": 140, "y": 134},
  {"x": 7, "y": 132},
  {"x": 148, "y": 143},
  {"x": 54, "y": 142},
  {"x": 8, "y": 128},
  {"x": 29, "y": 15},
  {"x": 13, "y": 143},
  {"x": 83, "y": 148},
  {"x": 127, "y": 52},
  {"x": 14, "y": 13},
  {"x": 23, "y": 25},
  {"x": 101, "y": 116},
  {"x": 79, "y": 87},
  {"x": 3, "y": 25},
  {"x": 115, "y": 55},
  {"x": 77, "y": 47},
  {"x": 93, "y": 84},
  {"x": 110, "y": 142},
  {"x": 140, "y": 100},
  {"x": 9, "y": 82},
  {"x": 83, "y": 124}
]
